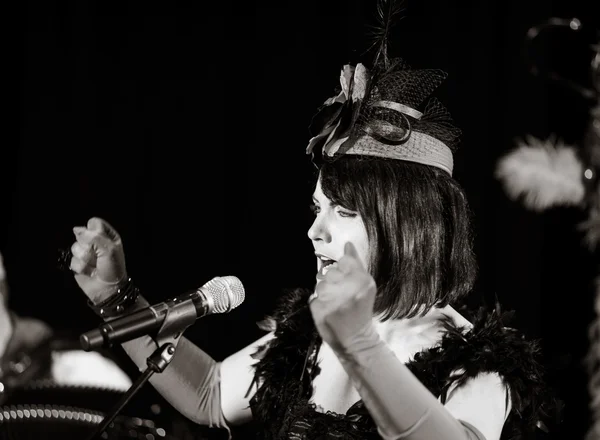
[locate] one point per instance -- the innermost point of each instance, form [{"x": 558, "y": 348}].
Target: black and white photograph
[{"x": 317, "y": 220}]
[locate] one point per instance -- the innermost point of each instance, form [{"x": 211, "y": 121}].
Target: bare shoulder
[{"x": 483, "y": 402}]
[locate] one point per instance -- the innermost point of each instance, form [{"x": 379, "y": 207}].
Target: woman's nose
[{"x": 319, "y": 231}]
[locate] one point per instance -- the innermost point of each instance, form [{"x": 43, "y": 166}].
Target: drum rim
[{"x": 49, "y": 412}]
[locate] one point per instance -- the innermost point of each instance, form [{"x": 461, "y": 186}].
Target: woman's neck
[
  {"x": 425, "y": 326},
  {"x": 415, "y": 324}
]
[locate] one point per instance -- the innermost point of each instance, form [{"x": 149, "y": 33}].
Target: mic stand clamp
[{"x": 177, "y": 320}]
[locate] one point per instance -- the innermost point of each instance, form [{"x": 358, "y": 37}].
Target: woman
[{"x": 379, "y": 352}]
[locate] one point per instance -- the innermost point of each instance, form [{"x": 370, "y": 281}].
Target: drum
[
  {"x": 102, "y": 400},
  {"x": 44, "y": 410},
  {"x": 25, "y": 422}
]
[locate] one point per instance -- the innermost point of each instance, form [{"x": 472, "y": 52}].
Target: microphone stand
[{"x": 178, "y": 318}]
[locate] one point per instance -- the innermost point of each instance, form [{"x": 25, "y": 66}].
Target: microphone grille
[{"x": 227, "y": 293}]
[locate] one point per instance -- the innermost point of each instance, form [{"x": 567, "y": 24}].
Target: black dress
[{"x": 281, "y": 407}]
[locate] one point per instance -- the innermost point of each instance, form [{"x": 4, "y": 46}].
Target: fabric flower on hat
[{"x": 332, "y": 126}]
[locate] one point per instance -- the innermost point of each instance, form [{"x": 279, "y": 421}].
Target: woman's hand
[
  {"x": 98, "y": 259},
  {"x": 342, "y": 305}
]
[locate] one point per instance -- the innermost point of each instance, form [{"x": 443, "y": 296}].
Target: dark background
[{"x": 185, "y": 127}]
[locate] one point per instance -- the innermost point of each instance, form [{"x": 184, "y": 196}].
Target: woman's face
[{"x": 332, "y": 228}]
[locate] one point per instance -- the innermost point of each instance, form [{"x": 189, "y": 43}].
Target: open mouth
[{"x": 325, "y": 264}]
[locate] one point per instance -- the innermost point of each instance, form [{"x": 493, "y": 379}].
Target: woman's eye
[
  {"x": 344, "y": 213},
  {"x": 315, "y": 209}
]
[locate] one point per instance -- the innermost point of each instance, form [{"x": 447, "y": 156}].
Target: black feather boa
[{"x": 281, "y": 407}]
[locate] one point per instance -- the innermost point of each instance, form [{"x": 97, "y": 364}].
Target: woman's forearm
[
  {"x": 401, "y": 406},
  {"x": 190, "y": 383}
]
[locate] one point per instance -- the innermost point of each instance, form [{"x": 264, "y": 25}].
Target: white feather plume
[{"x": 542, "y": 173}]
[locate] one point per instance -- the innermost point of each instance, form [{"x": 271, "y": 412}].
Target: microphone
[{"x": 219, "y": 295}]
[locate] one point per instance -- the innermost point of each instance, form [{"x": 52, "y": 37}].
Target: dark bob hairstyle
[{"x": 418, "y": 223}]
